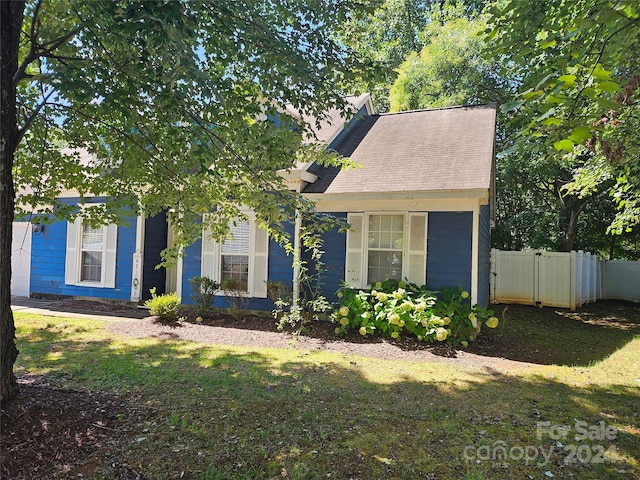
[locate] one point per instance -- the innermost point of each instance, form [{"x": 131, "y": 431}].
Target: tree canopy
[
  {"x": 396, "y": 29},
  {"x": 577, "y": 63},
  {"x": 451, "y": 69}
]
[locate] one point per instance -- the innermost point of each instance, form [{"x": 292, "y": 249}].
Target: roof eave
[{"x": 482, "y": 194}]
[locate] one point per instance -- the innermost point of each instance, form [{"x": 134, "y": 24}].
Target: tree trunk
[
  {"x": 571, "y": 226},
  {"x": 10, "y": 24}
]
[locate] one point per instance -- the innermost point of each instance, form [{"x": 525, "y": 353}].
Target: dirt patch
[{"x": 58, "y": 433}]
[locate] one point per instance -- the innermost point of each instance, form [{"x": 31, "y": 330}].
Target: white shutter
[
  {"x": 210, "y": 265},
  {"x": 71, "y": 261},
  {"x": 260, "y": 256},
  {"x": 111, "y": 248},
  {"x": 354, "y": 263},
  {"x": 417, "y": 249}
]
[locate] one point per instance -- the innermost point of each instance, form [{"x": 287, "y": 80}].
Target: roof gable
[{"x": 422, "y": 150}]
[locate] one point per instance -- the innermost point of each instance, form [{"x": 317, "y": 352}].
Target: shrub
[
  {"x": 236, "y": 294},
  {"x": 204, "y": 291},
  {"x": 278, "y": 290},
  {"x": 393, "y": 308},
  {"x": 163, "y": 306}
]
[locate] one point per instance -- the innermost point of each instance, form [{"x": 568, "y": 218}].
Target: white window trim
[
  {"x": 211, "y": 258},
  {"x": 362, "y": 251},
  {"x": 73, "y": 261}
]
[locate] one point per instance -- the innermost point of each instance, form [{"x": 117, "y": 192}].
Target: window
[
  {"x": 91, "y": 255},
  {"x": 91, "y": 252},
  {"x": 235, "y": 255},
  {"x": 385, "y": 248},
  {"x": 243, "y": 255},
  {"x": 386, "y": 245}
]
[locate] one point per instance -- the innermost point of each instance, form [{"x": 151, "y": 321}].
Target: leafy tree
[
  {"x": 180, "y": 105},
  {"x": 396, "y": 29},
  {"x": 578, "y": 67},
  {"x": 449, "y": 70}
]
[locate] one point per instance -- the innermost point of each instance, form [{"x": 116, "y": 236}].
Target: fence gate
[{"x": 554, "y": 279}]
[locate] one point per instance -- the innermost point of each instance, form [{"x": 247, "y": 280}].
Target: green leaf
[
  {"x": 552, "y": 121},
  {"x": 590, "y": 92},
  {"x": 611, "y": 87},
  {"x": 564, "y": 144},
  {"x": 556, "y": 99},
  {"x": 546, "y": 114},
  {"x": 531, "y": 93},
  {"x": 548, "y": 44},
  {"x": 600, "y": 73},
  {"x": 511, "y": 106},
  {"x": 543, "y": 81},
  {"x": 608, "y": 104},
  {"x": 567, "y": 80},
  {"x": 580, "y": 133}
]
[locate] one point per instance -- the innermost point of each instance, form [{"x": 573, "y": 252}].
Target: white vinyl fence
[
  {"x": 554, "y": 279},
  {"x": 621, "y": 280}
]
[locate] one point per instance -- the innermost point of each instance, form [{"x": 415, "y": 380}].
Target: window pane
[
  {"x": 384, "y": 265},
  {"x": 238, "y": 240},
  {"x": 236, "y": 267},
  {"x": 396, "y": 241},
  {"x": 91, "y": 269},
  {"x": 91, "y": 238}
]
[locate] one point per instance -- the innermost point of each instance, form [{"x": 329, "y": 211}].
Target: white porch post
[
  {"x": 136, "y": 271},
  {"x": 296, "y": 259}
]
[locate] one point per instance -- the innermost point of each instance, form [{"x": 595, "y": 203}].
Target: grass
[{"x": 216, "y": 412}]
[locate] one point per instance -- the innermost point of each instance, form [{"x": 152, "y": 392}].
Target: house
[{"x": 420, "y": 206}]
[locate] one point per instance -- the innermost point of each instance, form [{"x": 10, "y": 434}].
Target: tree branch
[
  {"x": 21, "y": 74},
  {"x": 45, "y": 50},
  {"x": 22, "y": 131},
  {"x": 597, "y": 61}
]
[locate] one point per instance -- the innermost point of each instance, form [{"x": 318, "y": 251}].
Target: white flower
[{"x": 441, "y": 334}]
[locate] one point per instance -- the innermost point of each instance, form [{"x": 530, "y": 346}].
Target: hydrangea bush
[{"x": 394, "y": 308}]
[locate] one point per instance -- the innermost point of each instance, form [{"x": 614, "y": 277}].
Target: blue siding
[
  {"x": 334, "y": 258},
  {"x": 449, "y": 239},
  {"x": 191, "y": 267},
  {"x": 484, "y": 257},
  {"x": 48, "y": 263},
  {"x": 279, "y": 269},
  {"x": 281, "y": 264}
]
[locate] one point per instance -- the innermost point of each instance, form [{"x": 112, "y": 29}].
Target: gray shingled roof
[
  {"x": 425, "y": 150},
  {"x": 333, "y": 120}
]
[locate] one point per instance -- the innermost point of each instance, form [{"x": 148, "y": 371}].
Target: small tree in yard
[{"x": 173, "y": 101}]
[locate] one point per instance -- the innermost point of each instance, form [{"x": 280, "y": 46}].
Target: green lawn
[{"x": 213, "y": 412}]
